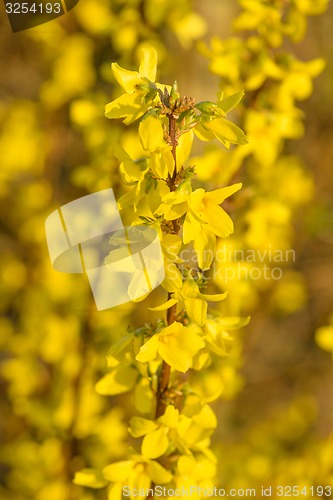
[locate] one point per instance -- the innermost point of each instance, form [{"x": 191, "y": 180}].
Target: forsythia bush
[
  {"x": 177, "y": 422},
  {"x": 278, "y": 184}
]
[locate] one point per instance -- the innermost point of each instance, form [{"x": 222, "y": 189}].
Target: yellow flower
[
  {"x": 205, "y": 220},
  {"x": 188, "y": 295},
  {"x": 137, "y": 474},
  {"x": 176, "y": 345},
  {"x": 205, "y": 209},
  {"x": 139, "y": 90},
  {"x": 191, "y": 472},
  {"x": 174, "y": 430},
  {"x": 156, "y": 433}
]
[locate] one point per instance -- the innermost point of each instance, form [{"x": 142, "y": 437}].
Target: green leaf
[
  {"x": 224, "y": 130},
  {"x": 230, "y": 102}
]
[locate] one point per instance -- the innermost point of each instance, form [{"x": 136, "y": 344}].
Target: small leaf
[
  {"x": 230, "y": 102},
  {"x": 224, "y": 130}
]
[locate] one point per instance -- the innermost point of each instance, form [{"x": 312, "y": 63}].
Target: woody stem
[{"x": 164, "y": 377}]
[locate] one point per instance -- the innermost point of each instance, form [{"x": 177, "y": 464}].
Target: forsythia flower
[
  {"x": 137, "y": 473},
  {"x": 195, "y": 474},
  {"x": 204, "y": 220},
  {"x": 176, "y": 345},
  {"x": 174, "y": 430},
  {"x": 156, "y": 434},
  {"x": 139, "y": 90},
  {"x": 188, "y": 294}
]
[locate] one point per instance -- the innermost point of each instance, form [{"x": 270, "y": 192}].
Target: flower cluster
[
  {"x": 278, "y": 184},
  {"x": 177, "y": 422}
]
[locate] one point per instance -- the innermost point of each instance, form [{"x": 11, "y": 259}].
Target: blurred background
[{"x": 276, "y": 406}]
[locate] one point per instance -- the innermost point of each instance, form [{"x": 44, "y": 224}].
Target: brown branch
[{"x": 164, "y": 378}]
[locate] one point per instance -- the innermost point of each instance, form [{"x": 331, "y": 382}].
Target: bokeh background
[{"x": 276, "y": 406}]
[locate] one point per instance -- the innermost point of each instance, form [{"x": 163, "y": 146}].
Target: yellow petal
[
  {"x": 183, "y": 149},
  {"x": 155, "y": 443},
  {"x": 219, "y": 195},
  {"x": 206, "y": 418},
  {"x": 148, "y": 351},
  {"x": 151, "y": 135},
  {"x": 172, "y": 212},
  {"x": 128, "y": 80},
  {"x": 158, "y": 473},
  {"x": 191, "y": 228},
  {"x": 115, "y": 491},
  {"x": 141, "y": 426},
  {"x": 170, "y": 417},
  {"x": 139, "y": 479},
  {"x": 118, "y": 471},
  {"x": 196, "y": 310},
  {"x": 158, "y": 166},
  {"x": 148, "y": 63},
  {"x": 219, "y": 222},
  {"x": 204, "y": 246},
  {"x": 128, "y": 106},
  {"x": 171, "y": 245},
  {"x": 163, "y": 307},
  {"x": 213, "y": 298},
  {"x": 177, "y": 346}
]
